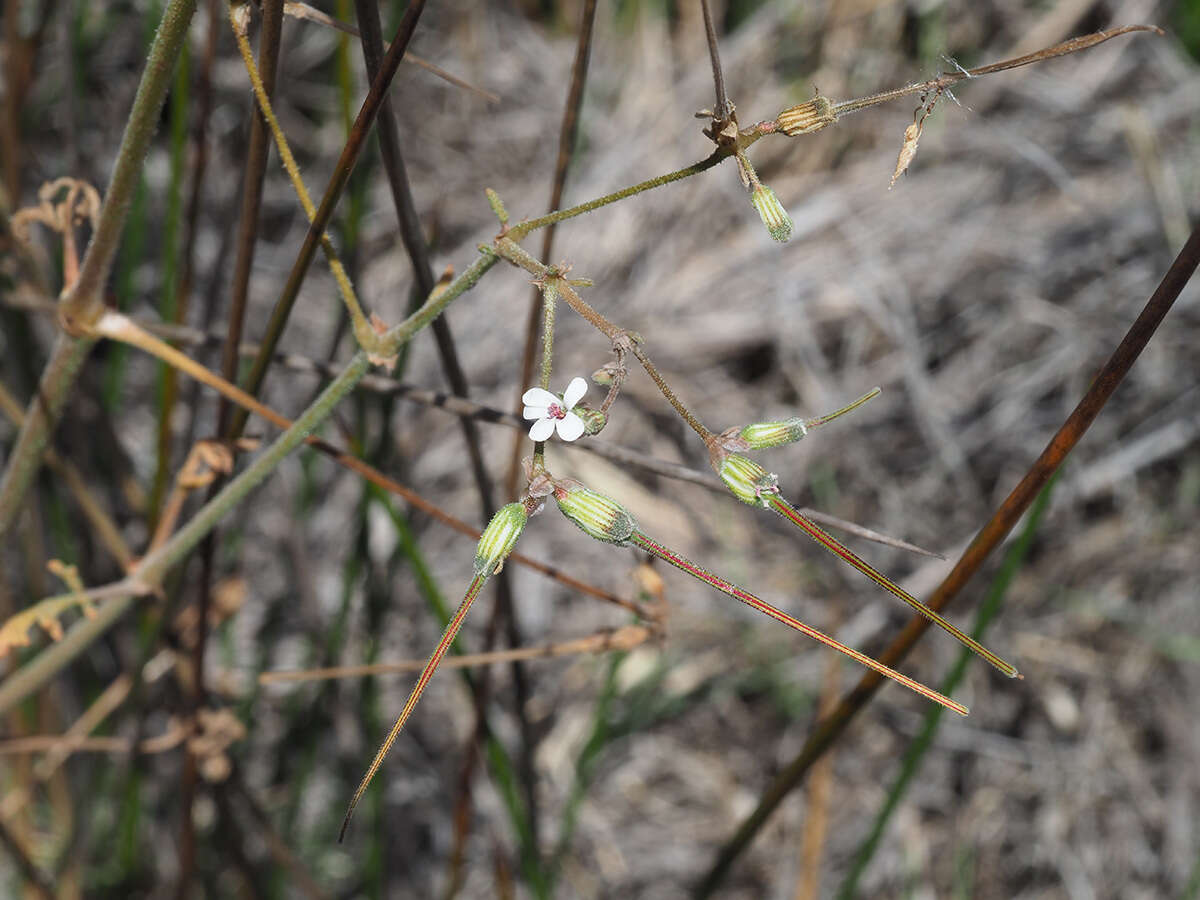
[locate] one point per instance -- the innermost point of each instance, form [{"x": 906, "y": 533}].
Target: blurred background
[{"x": 981, "y": 293}]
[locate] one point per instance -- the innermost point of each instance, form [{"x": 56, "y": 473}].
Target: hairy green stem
[
  {"x": 519, "y": 231},
  {"x": 436, "y": 302},
  {"x": 156, "y": 565},
  {"x": 84, "y": 301},
  {"x": 549, "y": 305},
  {"x": 86, "y": 295}
]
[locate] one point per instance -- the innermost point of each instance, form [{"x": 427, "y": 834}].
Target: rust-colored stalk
[{"x": 1002, "y": 521}]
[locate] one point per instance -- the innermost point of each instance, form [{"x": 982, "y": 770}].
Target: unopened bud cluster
[
  {"x": 747, "y": 480},
  {"x": 499, "y": 538},
  {"x": 601, "y": 517}
]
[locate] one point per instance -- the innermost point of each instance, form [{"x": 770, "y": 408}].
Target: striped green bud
[
  {"x": 764, "y": 435},
  {"x": 771, "y": 211},
  {"x": 499, "y": 538},
  {"x": 593, "y": 419},
  {"x": 602, "y": 517},
  {"x": 748, "y": 481}
]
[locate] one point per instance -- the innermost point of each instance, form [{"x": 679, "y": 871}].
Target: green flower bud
[
  {"x": 499, "y": 538},
  {"x": 602, "y": 517},
  {"x": 771, "y": 211},
  {"x": 748, "y": 480},
  {"x": 593, "y": 419},
  {"x": 763, "y": 435},
  {"x": 807, "y": 117}
]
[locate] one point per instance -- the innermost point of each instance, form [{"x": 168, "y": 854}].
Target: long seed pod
[
  {"x": 752, "y": 484},
  {"x": 606, "y": 520},
  {"x": 830, "y": 543},
  {"x": 496, "y": 542},
  {"x": 650, "y": 546}
]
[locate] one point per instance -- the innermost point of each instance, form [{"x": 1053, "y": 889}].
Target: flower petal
[
  {"x": 570, "y": 426},
  {"x": 542, "y": 429},
  {"x": 538, "y": 397},
  {"x": 575, "y": 390},
  {"x": 536, "y": 412}
]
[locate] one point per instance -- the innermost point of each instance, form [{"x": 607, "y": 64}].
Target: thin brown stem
[
  {"x": 981, "y": 547},
  {"x": 252, "y": 187},
  {"x": 566, "y": 143},
  {"x": 721, "y": 111},
  {"x": 624, "y": 638},
  {"x": 947, "y": 79},
  {"x": 333, "y": 192},
  {"x": 119, "y": 327}
]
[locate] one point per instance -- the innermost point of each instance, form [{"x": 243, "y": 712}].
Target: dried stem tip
[
  {"x": 747, "y": 480},
  {"x": 499, "y": 538},
  {"x": 764, "y": 435},
  {"x": 601, "y": 517},
  {"x": 771, "y": 211}
]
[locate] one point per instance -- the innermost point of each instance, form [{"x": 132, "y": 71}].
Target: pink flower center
[{"x": 555, "y": 411}]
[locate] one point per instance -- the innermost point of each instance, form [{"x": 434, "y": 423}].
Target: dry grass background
[{"x": 981, "y": 294}]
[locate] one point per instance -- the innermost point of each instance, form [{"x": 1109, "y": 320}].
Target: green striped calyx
[
  {"x": 593, "y": 420},
  {"x": 772, "y": 213},
  {"x": 747, "y": 480},
  {"x": 602, "y": 517},
  {"x": 499, "y": 538},
  {"x": 764, "y": 435}
]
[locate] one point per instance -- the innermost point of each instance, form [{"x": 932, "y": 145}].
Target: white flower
[{"x": 553, "y": 412}]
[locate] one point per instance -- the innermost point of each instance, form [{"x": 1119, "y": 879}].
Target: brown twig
[
  {"x": 721, "y": 111},
  {"x": 973, "y": 558},
  {"x": 252, "y": 188},
  {"x": 624, "y": 638},
  {"x": 311, "y": 14}
]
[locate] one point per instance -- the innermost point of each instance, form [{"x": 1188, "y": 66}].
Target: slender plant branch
[
  {"x": 625, "y": 638},
  {"x": 948, "y": 79},
  {"x": 504, "y": 609},
  {"x": 304, "y": 11},
  {"x": 362, "y": 328},
  {"x": 342, "y": 169},
  {"x": 640, "y": 540},
  {"x": 518, "y": 232},
  {"x": 153, "y": 567},
  {"x": 252, "y": 190},
  {"x": 427, "y": 671},
  {"x": 910, "y": 764},
  {"x": 722, "y": 110},
  {"x": 451, "y": 404},
  {"x": 84, "y": 301},
  {"x": 106, "y": 529},
  {"x": 973, "y": 558},
  {"x": 566, "y": 143}
]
